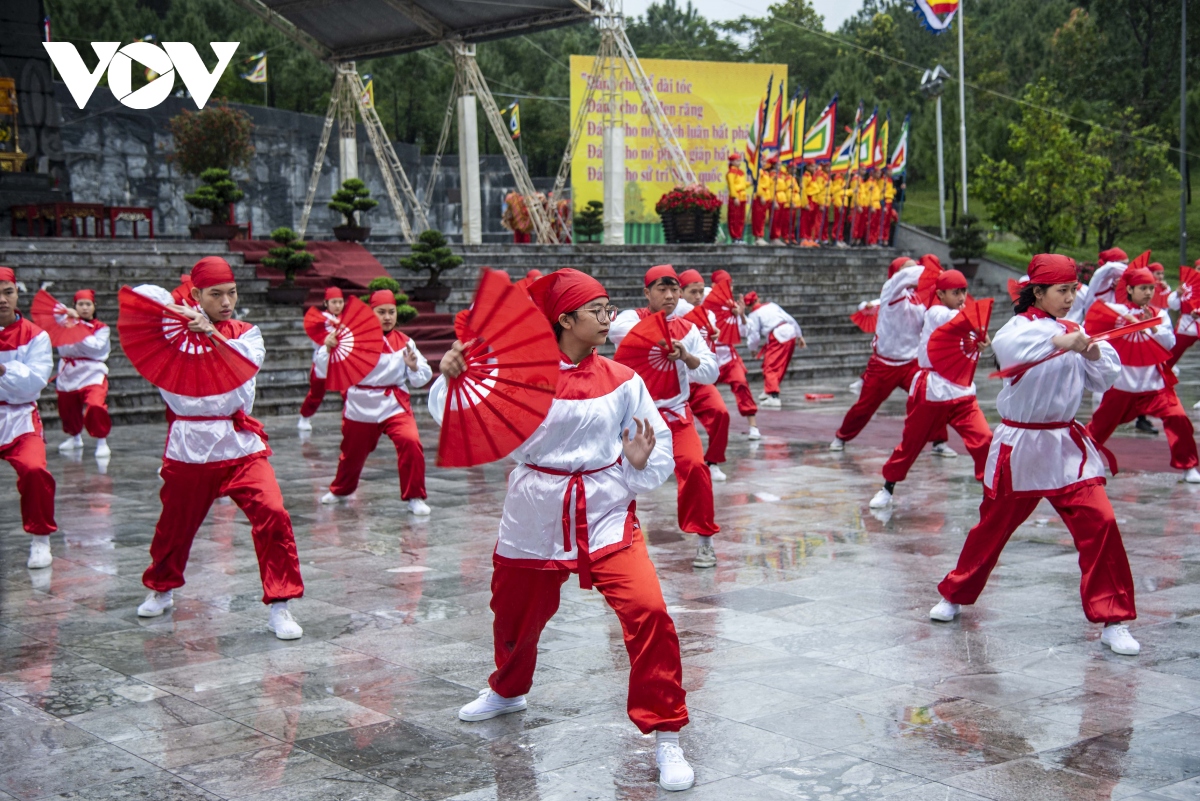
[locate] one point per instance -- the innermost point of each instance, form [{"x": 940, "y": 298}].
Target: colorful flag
[
  {"x": 754, "y": 142},
  {"x": 793, "y": 125},
  {"x": 936, "y": 14},
  {"x": 514, "y": 118},
  {"x": 818, "y": 142},
  {"x": 879, "y": 158},
  {"x": 844, "y": 157},
  {"x": 857, "y": 129},
  {"x": 368, "y": 95},
  {"x": 899, "y": 162},
  {"x": 259, "y": 73},
  {"x": 770, "y": 142},
  {"x": 866, "y": 139}
]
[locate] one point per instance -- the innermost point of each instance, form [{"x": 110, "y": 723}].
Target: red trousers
[
  {"x": 1106, "y": 585},
  {"x": 316, "y": 394},
  {"x": 737, "y": 220},
  {"x": 360, "y": 439},
  {"x": 695, "y": 506},
  {"x": 35, "y": 485},
  {"x": 187, "y": 493},
  {"x": 759, "y": 211},
  {"x": 524, "y": 600},
  {"x": 858, "y": 225},
  {"x": 781, "y": 224},
  {"x": 1120, "y": 407},
  {"x": 925, "y": 417},
  {"x": 733, "y": 373},
  {"x": 873, "y": 220},
  {"x": 522, "y": 237},
  {"x": 709, "y": 408},
  {"x": 839, "y": 224},
  {"x": 879, "y": 381},
  {"x": 775, "y": 360},
  {"x": 1182, "y": 343},
  {"x": 85, "y": 407}
]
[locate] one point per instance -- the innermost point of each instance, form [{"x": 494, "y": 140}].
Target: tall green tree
[{"x": 1136, "y": 168}]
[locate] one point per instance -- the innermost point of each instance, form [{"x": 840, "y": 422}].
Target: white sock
[{"x": 666, "y": 737}]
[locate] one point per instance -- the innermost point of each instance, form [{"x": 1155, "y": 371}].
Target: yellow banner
[{"x": 710, "y": 106}]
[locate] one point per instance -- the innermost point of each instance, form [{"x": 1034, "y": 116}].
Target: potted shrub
[
  {"x": 432, "y": 255},
  {"x": 589, "y": 223},
  {"x": 689, "y": 214},
  {"x": 967, "y": 241},
  {"x": 216, "y": 195},
  {"x": 404, "y": 312},
  {"x": 289, "y": 257},
  {"x": 352, "y": 198},
  {"x": 217, "y": 138}
]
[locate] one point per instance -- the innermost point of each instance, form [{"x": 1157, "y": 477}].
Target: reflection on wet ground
[{"x": 811, "y": 668}]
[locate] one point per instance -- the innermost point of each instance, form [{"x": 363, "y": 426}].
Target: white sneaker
[
  {"x": 945, "y": 611},
  {"x": 857, "y": 386},
  {"x": 719, "y": 475},
  {"x": 674, "y": 772},
  {"x": 1196, "y": 405},
  {"x": 39, "y": 552},
  {"x": 1120, "y": 640},
  {"x": 763, "y": 395},
  {"x": 102, "y": 449},
  {"x": 945, "y": 451},
  {"x": 329, "y": 498},
  {"x": 282, "y": 623},
  {"x": 75, "y": 443},
  {"x": 490, "y": 705},
  {"x": 418, "y": 507},
  {"x": 772, "y": 403},
  {"x": 1192, "y": 476},
  {"x": 706, "y": 556},
  {"x": 837, "y": 445},
  {"x": 156, "y": 603},
  {"x": 760, "y": 241},
  {"x": 304, "y": 424},
  {"x": 754, "y": 433},
  {"x": 882, "y": 499}
]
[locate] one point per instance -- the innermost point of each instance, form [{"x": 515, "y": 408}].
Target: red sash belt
[
  {"x": 575, "y": 487},
  {"x": 1079, "y": 435},
  {"x": 392, "y": 390},
  {"x": 73, "y": 360},
  {"x": 241, "y": 422}
]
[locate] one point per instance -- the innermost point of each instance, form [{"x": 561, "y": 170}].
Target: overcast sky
[{"x": 834, "y": 11}]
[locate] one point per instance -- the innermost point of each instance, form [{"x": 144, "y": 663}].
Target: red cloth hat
[
  {"x": 951, "y": 279},
  {"x": 333, "y": 293},
  {"x": 210, "y": 271},
  {"x": 1112, "y": 254},
  {"x": 85, "y": 294},
  {"x": 7, "y": 274},
  {"x": 930, "y": 260},
  {"x": 383, "y": 297},
  {"x": 564, "y": 291},
  {"x": 659, "y": 271},
  {"x": 1136, "y": 276},
  {"x": 898, "y": 264},
  {"x": 722, "y": 275},
  {"x": 690, "y": 277},
  {"x": 1051, "y": 268}
]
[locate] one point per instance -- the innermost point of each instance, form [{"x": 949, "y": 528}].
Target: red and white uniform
[
  {"x": 82, "y": 383},
  {"x": 316, "y": 388},
  {"x": 1040, "y": 451},
  {"x": 1102, "y": 287},
  {"x": 1186, "y": 330},
  {"x": 574, "y": 461},
  {"x": 28, "y": 360},
  {"x": 776, "y": 331},
  {"x": 1148, "y": 391},
  {"x": 696, "y": 510},
  {"x": 732, "y": 368},
  {"x": 215, "y": 448},
  {"x": 377, "y": 405},
  {"x": 706, "y": 402}
]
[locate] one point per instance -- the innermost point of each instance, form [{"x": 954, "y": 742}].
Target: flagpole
[{"x": 962, "y": 105}]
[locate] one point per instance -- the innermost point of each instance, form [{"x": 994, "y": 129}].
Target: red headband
[
  {"x": 533, "y": 275},
  {"x": 734, "y": 157},
  {"x": 383, "y": 297},
  {"x": 750, "y": 298},
  {"x": 930, "y": 260},
  {"x": 951, "y": 279},
  {"x": 85, "y": 294},
  {"x": 660, "y": 271},
  {"x": 1112, "y": 254},
  {"x": 1157, "y": 268},
  {"x": 722, "y": 275},
  {"x": 564, "y": 291},
  {"x": 210, "y": 271},
  {"x": 7, "y": 274},
  {"x": 898, "y": 264},
  {"x": 333, "y": 293},
  {"x": 690, "y": 277},
  {"x": 1051, "y": 268},
  {"x": 1136, "y": 276}
]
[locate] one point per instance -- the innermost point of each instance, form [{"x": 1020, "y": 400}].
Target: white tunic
[
  {"x": 213, "y": 441},
  {"x": 1047, "y": 461},
  {"x": 706, "y": 372},
  {"x": 901, "y": 315},
  {"x": 84, "y": 363},
  {"x": 1144, "y": 379},
  {"x": 1187, "y": 322},
  {"x": 937, "y": 389},
  {"x": 769, "y": 319},
  {"x": 377, "y": 404},
  {"x": 28, "y": 360}
]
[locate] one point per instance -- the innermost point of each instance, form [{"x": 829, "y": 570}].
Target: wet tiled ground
[{"x": 811, "y": 668}]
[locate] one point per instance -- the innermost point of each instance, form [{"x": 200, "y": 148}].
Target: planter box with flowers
[{"x": 689, "y": 214}]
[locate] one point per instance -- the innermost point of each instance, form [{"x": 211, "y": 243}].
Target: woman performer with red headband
[
  {"x": 604, "y": 440},
  {"x": 706, "y": 402},
  {"x": 214, "y": 449},
  {"x": 335, "y": 301},
  {"x": 1039, "y": 451},
  {"x": 82, "y": 382}
]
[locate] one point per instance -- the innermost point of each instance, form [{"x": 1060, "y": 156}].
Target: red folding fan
[
  {"x": 698, "y": 316},
  {"x": 1137, "y": 349},
  {"x": 1189, "y": 290},
  {"x": 645, "y": 348},
  {"x": 927, "y": 285},
  {"x": 52, "y": 317},
  {"x": 721, "y": 303},
  {"x": 1014, "y": 289},
  {"x": 512, "y": 373},
  {"x": 319, "y": 324},
  {"x": 867, "y": 317},
  {"x": 360, "y": 341},
  {"x": 1162, "y": 295},
  {"x": 1017, "y": 370},
  {"x": 169, "y": 356},
  {"x": 183, "y": 293},
  {"x": 954, "y": 348}
]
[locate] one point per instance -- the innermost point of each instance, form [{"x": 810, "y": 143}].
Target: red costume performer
[
  {"x": 733, "y": 369},
  {"x": 1039, "y": 451},
  {"x": 1187, "y": 332},
  {"x": 82, "y": 382},
  {"x": 735, "y": 180},
  {"x": 214, "y": 449},
  {"x": 773, "y": 334},
  {"x": 335, "y": 301},
  {"x": 26, "y": 361},
  {"x": 379, "y": 404},
  {"x": 707, "y": 404}
]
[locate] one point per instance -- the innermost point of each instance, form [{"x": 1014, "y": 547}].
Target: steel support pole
[
  {"x": 468, "y": 169},
  {"x": 941, "y": 170}
]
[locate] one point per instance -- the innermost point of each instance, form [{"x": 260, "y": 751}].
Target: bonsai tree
[
  {"x": 290, "y": 256},
  {"x": 589, "y": 223},
  {"x": 431, "y": 254},
  {"x": 215, "y": 194},
  {"x": 404, "y": 312},
  {"x": 967, "y": 239},
  {"x": 353, "y": 197}
]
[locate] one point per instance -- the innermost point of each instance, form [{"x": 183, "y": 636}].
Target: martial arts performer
[
  {"x": 82, "y": 382},
  {"x": 733, "y": 369},
  {"x": 335, "y": 301},
  {"x": 1112, "y": 263},
  {"x": 777, "y": 333},
  {"x": 707, "y": 404},
  {"x": 893, "y": 361},
  {"x": 216, "y": 449},
  {"x": 1186, "y": 330},
  {"x": 26, "y": 361},
  {"x": 935, "y": 402},
  {"x": 602, "y": 442},
  {"x": 1040, "y": 451},
  {"x": 695, "y": 364},
  {"x": 380, "y": 404},
  {"x": 1147, "y": 390}
]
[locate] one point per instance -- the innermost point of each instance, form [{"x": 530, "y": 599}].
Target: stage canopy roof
[{"x": 356, "y": 29}]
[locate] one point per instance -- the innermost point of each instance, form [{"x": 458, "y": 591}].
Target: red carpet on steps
[{"x": 343, "y": 264}]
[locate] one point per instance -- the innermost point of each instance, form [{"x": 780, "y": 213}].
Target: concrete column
[
  {"x": 348, "y": 151},
  {"x": 614, "y": 184},
  {"x": 468, "y": 170}
]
